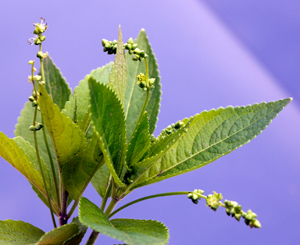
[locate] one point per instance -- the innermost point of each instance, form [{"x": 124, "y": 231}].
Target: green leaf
[
  {"x": 18, "y": 233},
  {"x": 67, "y": 138},
  {"x": 109, "y": 124},
  {"x": 12, "y": 153},
  {"x": 133, "y": 232},
  {"x": 78, "y": 107},
  {"x": 75, "y": 240},
  {"x": 134, "y": 95},
  {"x": 100, "y": 180},
  {"x": 56, "y": 84},
  {"x": 140, "y": 142},
  {"x": 24, "y": 121},
  {"x": 118, "y": 76},
  {"x": 60, "y": 235},
  {"x": 156, "y": 152},
  {"x": 31, "y": 154},
  {"x": 212, "y": 135},
  {"x": 78, "y": 173}
]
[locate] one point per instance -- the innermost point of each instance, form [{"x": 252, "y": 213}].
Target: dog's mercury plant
[{"x": 103, "y": 134}]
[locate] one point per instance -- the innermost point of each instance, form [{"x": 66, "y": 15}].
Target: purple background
[{"x": 211, "y": 53}]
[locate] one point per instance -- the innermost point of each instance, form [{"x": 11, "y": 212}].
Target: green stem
[
  {"x": 106, "y": 196},
  {"x": 149, "y": 197},
  {"x": 147, "y": 96},
  {"x": 41, "y": 169},
  {"x": 51, "y": 165}
]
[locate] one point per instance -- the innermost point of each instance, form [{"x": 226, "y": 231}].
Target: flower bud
[
  {"x": 31, "y": 62},
  {"x": 40, "y": 55},
  {"x": 31, "y": 98}
]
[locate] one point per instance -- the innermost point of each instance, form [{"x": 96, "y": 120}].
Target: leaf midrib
[{"x": 186, "y": 159}]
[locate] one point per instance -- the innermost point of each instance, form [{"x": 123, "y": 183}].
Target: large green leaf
[
  {"x": 24, "y": 121},
  {"x": 78, "y": 173},
  {"x": 12, "y": 153},
  {"x": 32, "y": 157},
  {"x": 109, "y": 123},
  {"x": 60, "y": 235},
  {"x": 78, "y": 107},
  {"x": 133, "y": 232},
  {"x": 67, "y": 138},
  {"x": 56, "y": 84},
  {"x": 140, "y": 141},
  {"x": 134, "y": 95},
  {"x": 212, "y": 135},
  {"x": 118, "y": 76},
  {"x": 18, "y": 233}
]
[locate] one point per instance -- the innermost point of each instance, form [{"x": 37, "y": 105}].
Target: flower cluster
[
  {"x": 214, "y": 200},
  {"x": 233, "y": 209},
  {"x": 143, "y": 83},
  {"x": 109, "y": 46},
  {"x": 171, "y": 129},
  {"x": 40, "y": 28},
  {"x": 196, "y": 195},
  {"x": 138, "y": 55}
]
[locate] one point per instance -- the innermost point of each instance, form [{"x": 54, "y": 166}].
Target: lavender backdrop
[{"x": 239, "y": 53}]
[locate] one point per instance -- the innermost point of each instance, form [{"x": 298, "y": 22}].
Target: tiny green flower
[
  {"x": 40, "y": 27},
  {"x": 213, "y": 201}
]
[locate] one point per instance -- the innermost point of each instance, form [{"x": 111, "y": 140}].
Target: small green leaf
[
  {"x": 134, "y": 95},
  {"x": 140, "y": 142},
  {"x": 156, "y": 152},
  {"x": 59, "y": 235},
  {"x": 56, "y": 84},
  {"x": 133, "y": 232},
  {"x": 67, "y": 138},
  {"x": 12, "y": 153},
  {"x": 109, "y": 124},
  {"x": 75, "y": 240},
  {"x": 79, "y": 172},
  {"x": 212, "y": 135},
  {"x": 118, "y": 76},
  {"x": 100, "y": 180},
  {"x": 18, "y": 233}
]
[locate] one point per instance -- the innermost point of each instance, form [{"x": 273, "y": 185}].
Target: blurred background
[{"x": 211, "y": 53}]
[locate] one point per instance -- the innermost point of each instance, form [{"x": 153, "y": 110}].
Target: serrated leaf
[
  {"x": 140, "y": 142},
  {"x": 133, "y": 232},
  {"x": 100, "y": 180},
  {"x": 12, "y": 153},
  {"x": 59, "y": 235},
  {"x": 118, "y": 76},
  {"x": 75, "y": 240},
  {"x": 156, "y": 152},
  {"x": 134, "y": 95},
  {"x": 78, "y": 107},
  {"x": 18, "y": 233},
  {"x": 24, "y": 121},
  {"x": 212, "y": 135},
  {"x": 32, "y": 157},
  {"x": 109, "y": 124},
  {"x": 56, "y": 84},
  {"x": 79, "y": 171},
  {"x": 67, "y": 138}
]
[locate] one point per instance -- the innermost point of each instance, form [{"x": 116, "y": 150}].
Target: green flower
[{"x": 213, "y": 201}]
